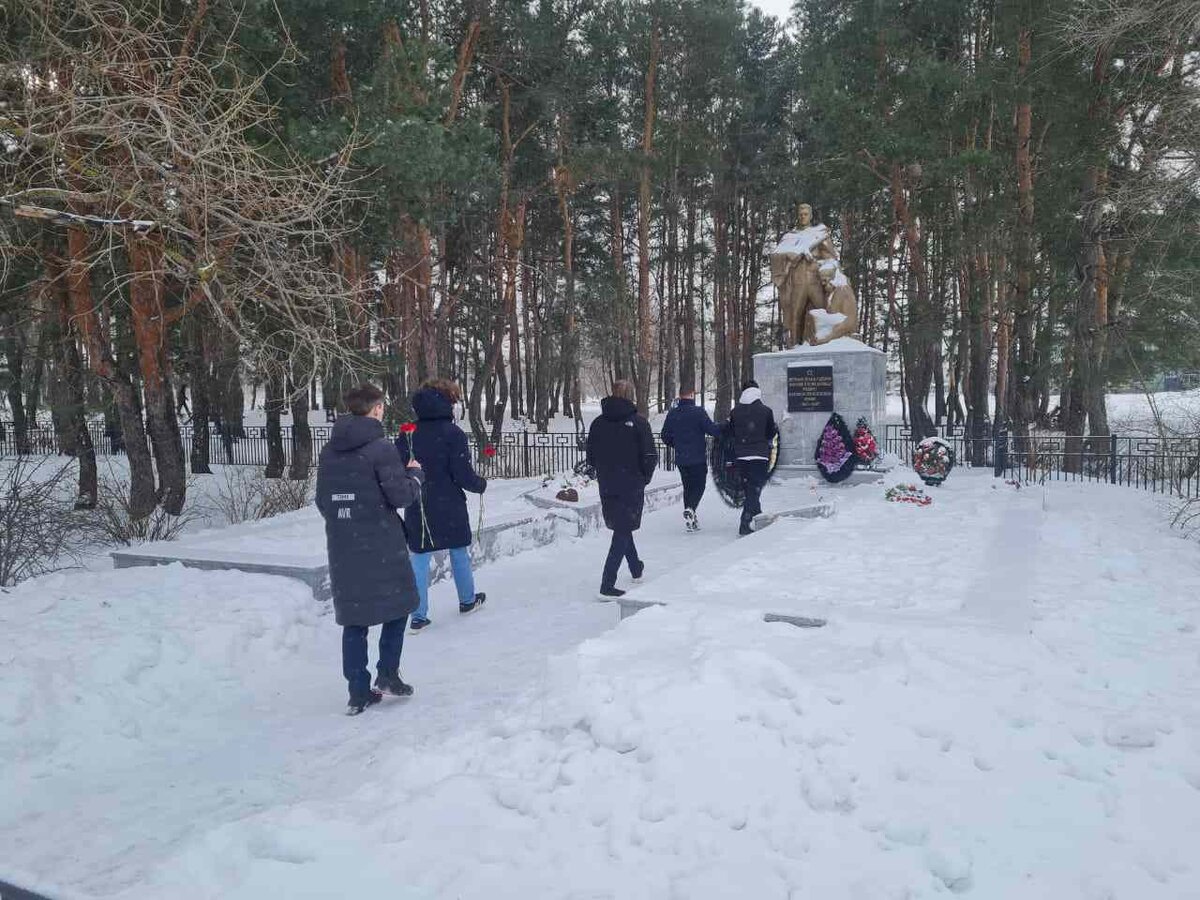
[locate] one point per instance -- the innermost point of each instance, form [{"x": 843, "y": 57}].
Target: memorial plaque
[{"x": 810, "y": 388}]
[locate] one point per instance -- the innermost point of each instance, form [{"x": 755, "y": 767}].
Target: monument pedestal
[{"x": 806, "y": 384}]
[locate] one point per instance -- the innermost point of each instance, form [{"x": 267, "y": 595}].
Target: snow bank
[
  {"x": 119, "y": 672},
  {"x": 1026, "y": 724}
]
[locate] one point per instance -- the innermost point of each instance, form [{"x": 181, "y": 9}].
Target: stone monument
[
  {"x": 827, "y": 370},
  {"x": 816, "y": 302}
]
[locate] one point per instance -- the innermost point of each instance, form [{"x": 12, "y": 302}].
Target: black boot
[
  {"x": 392, "y": 684},
  {"x": 356, "y": 706}
]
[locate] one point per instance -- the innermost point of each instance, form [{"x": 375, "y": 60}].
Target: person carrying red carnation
[{"x": 439, "y": 519}]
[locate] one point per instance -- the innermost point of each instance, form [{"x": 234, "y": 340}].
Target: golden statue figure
[{"x": 816, "y": 302}]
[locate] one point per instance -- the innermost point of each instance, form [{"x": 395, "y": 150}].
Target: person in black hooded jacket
[
  {"x": 361, "y": 483},
  {"x": 439, "y": 520},
  {"x": 620, "y": 448},
  {"x": 753, "y": 426}
]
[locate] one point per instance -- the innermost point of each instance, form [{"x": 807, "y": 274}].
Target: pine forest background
[{"x": 217, "y": 197}]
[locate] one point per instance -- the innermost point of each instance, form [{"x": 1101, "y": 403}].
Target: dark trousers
[
  {"x": 354, "y": 654},
  {"x": 755, "y": 473},
  {"x": 621, "y": 548},
  {"x": 694, "y": 478}
]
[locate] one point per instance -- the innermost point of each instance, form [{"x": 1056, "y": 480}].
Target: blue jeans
[
  {"x": 460, "y": 565},
  {"x": 354, "y": 654}
]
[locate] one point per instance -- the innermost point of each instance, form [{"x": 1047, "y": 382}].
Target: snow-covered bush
[
  {"x": 114, "y": 520},
  {"x": 245, "y": 495},
  {"x": 40, "y": 529}
]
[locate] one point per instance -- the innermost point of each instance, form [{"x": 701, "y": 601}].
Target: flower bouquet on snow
[
  {"x": 835, "y": 451},
  {"x": 865, "y": 446},
  {"x": 907, "y": 493},
  {"x": 933, "y": 459}
]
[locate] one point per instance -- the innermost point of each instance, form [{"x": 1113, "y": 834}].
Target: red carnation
[
  {"x": 489, "y": 451},
  {"x": 408, "y": 427}
]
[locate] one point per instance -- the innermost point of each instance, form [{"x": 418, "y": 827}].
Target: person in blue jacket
[
  {"x": 439, "y": 520},
  {"x": 685, "y": 430}
]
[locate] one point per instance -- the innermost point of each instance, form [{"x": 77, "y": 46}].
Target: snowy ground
[{"x": 1006, "y": 703}]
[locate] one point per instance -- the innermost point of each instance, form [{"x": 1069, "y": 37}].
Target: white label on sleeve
[{"x": 342, "y": 498}]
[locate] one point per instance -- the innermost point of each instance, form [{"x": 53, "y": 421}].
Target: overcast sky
[{"x": 780, "y": 9}]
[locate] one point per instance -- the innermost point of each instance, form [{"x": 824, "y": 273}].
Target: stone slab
[
  {"x": 859, "y": 390},
  {"x": 496, "y": 541},
  {"x": 313, "y": 572},
  {"x": 808, "y": 511},
  {"x": 858, "y": 476},
  {"x": 628, "y": 607},
  {"x": 589, "y": 517},
  {"x": 512, "y": 535}
]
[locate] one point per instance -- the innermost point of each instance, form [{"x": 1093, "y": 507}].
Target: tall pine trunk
[
  {"x": 90, "y": 322},
  {"x": 1085, "y": 391},
  {"x": 1025, "y": 352},
  {"x": 302, "y": 444},
  {"x": 924, "y": 330},
  {"x": 74, "y": 410},
  {"x": 201, "y": 380},
  {"x": 645, "y": 346},
  {"x": 274, "y": 409},
  {"x": 687, "y": 367},
  {"x": 149, "y": 318}
]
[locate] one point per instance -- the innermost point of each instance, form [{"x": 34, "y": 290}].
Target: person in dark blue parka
[
  {"x": 439, "y": 519},
  {"x": 685, "y": 430},
  {"x": 361, "y": 484}
]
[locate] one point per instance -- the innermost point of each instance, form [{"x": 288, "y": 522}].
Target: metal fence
[
  {"x": 1165, "y": 465},
  {"x": 519, "y": 454},
  {"x": 1161, "y": 465}
]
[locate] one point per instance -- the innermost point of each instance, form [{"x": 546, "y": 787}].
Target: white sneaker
[{"x": 689, "y": 520}]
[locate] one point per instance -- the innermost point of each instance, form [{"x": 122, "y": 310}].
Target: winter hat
[
  {"x": 750, "y": 394},
  {"x": 751, "y": 383}
]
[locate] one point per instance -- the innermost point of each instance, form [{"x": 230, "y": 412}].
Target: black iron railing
[
  {"x": 1164, "y": 465},
  {"x": 519, "y": 454}
]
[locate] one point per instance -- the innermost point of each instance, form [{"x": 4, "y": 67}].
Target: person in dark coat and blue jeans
[
  {"x": 361, "y": 484},
  {"x": 620, "y": 448},
  {"x": 685, "y": 430},
  {"x": 439, "y": 519}
]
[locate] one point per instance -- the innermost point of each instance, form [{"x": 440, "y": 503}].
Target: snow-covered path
[
  {"x": 203, "y": 750},
  {"x": 1005, "y": 703}
]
